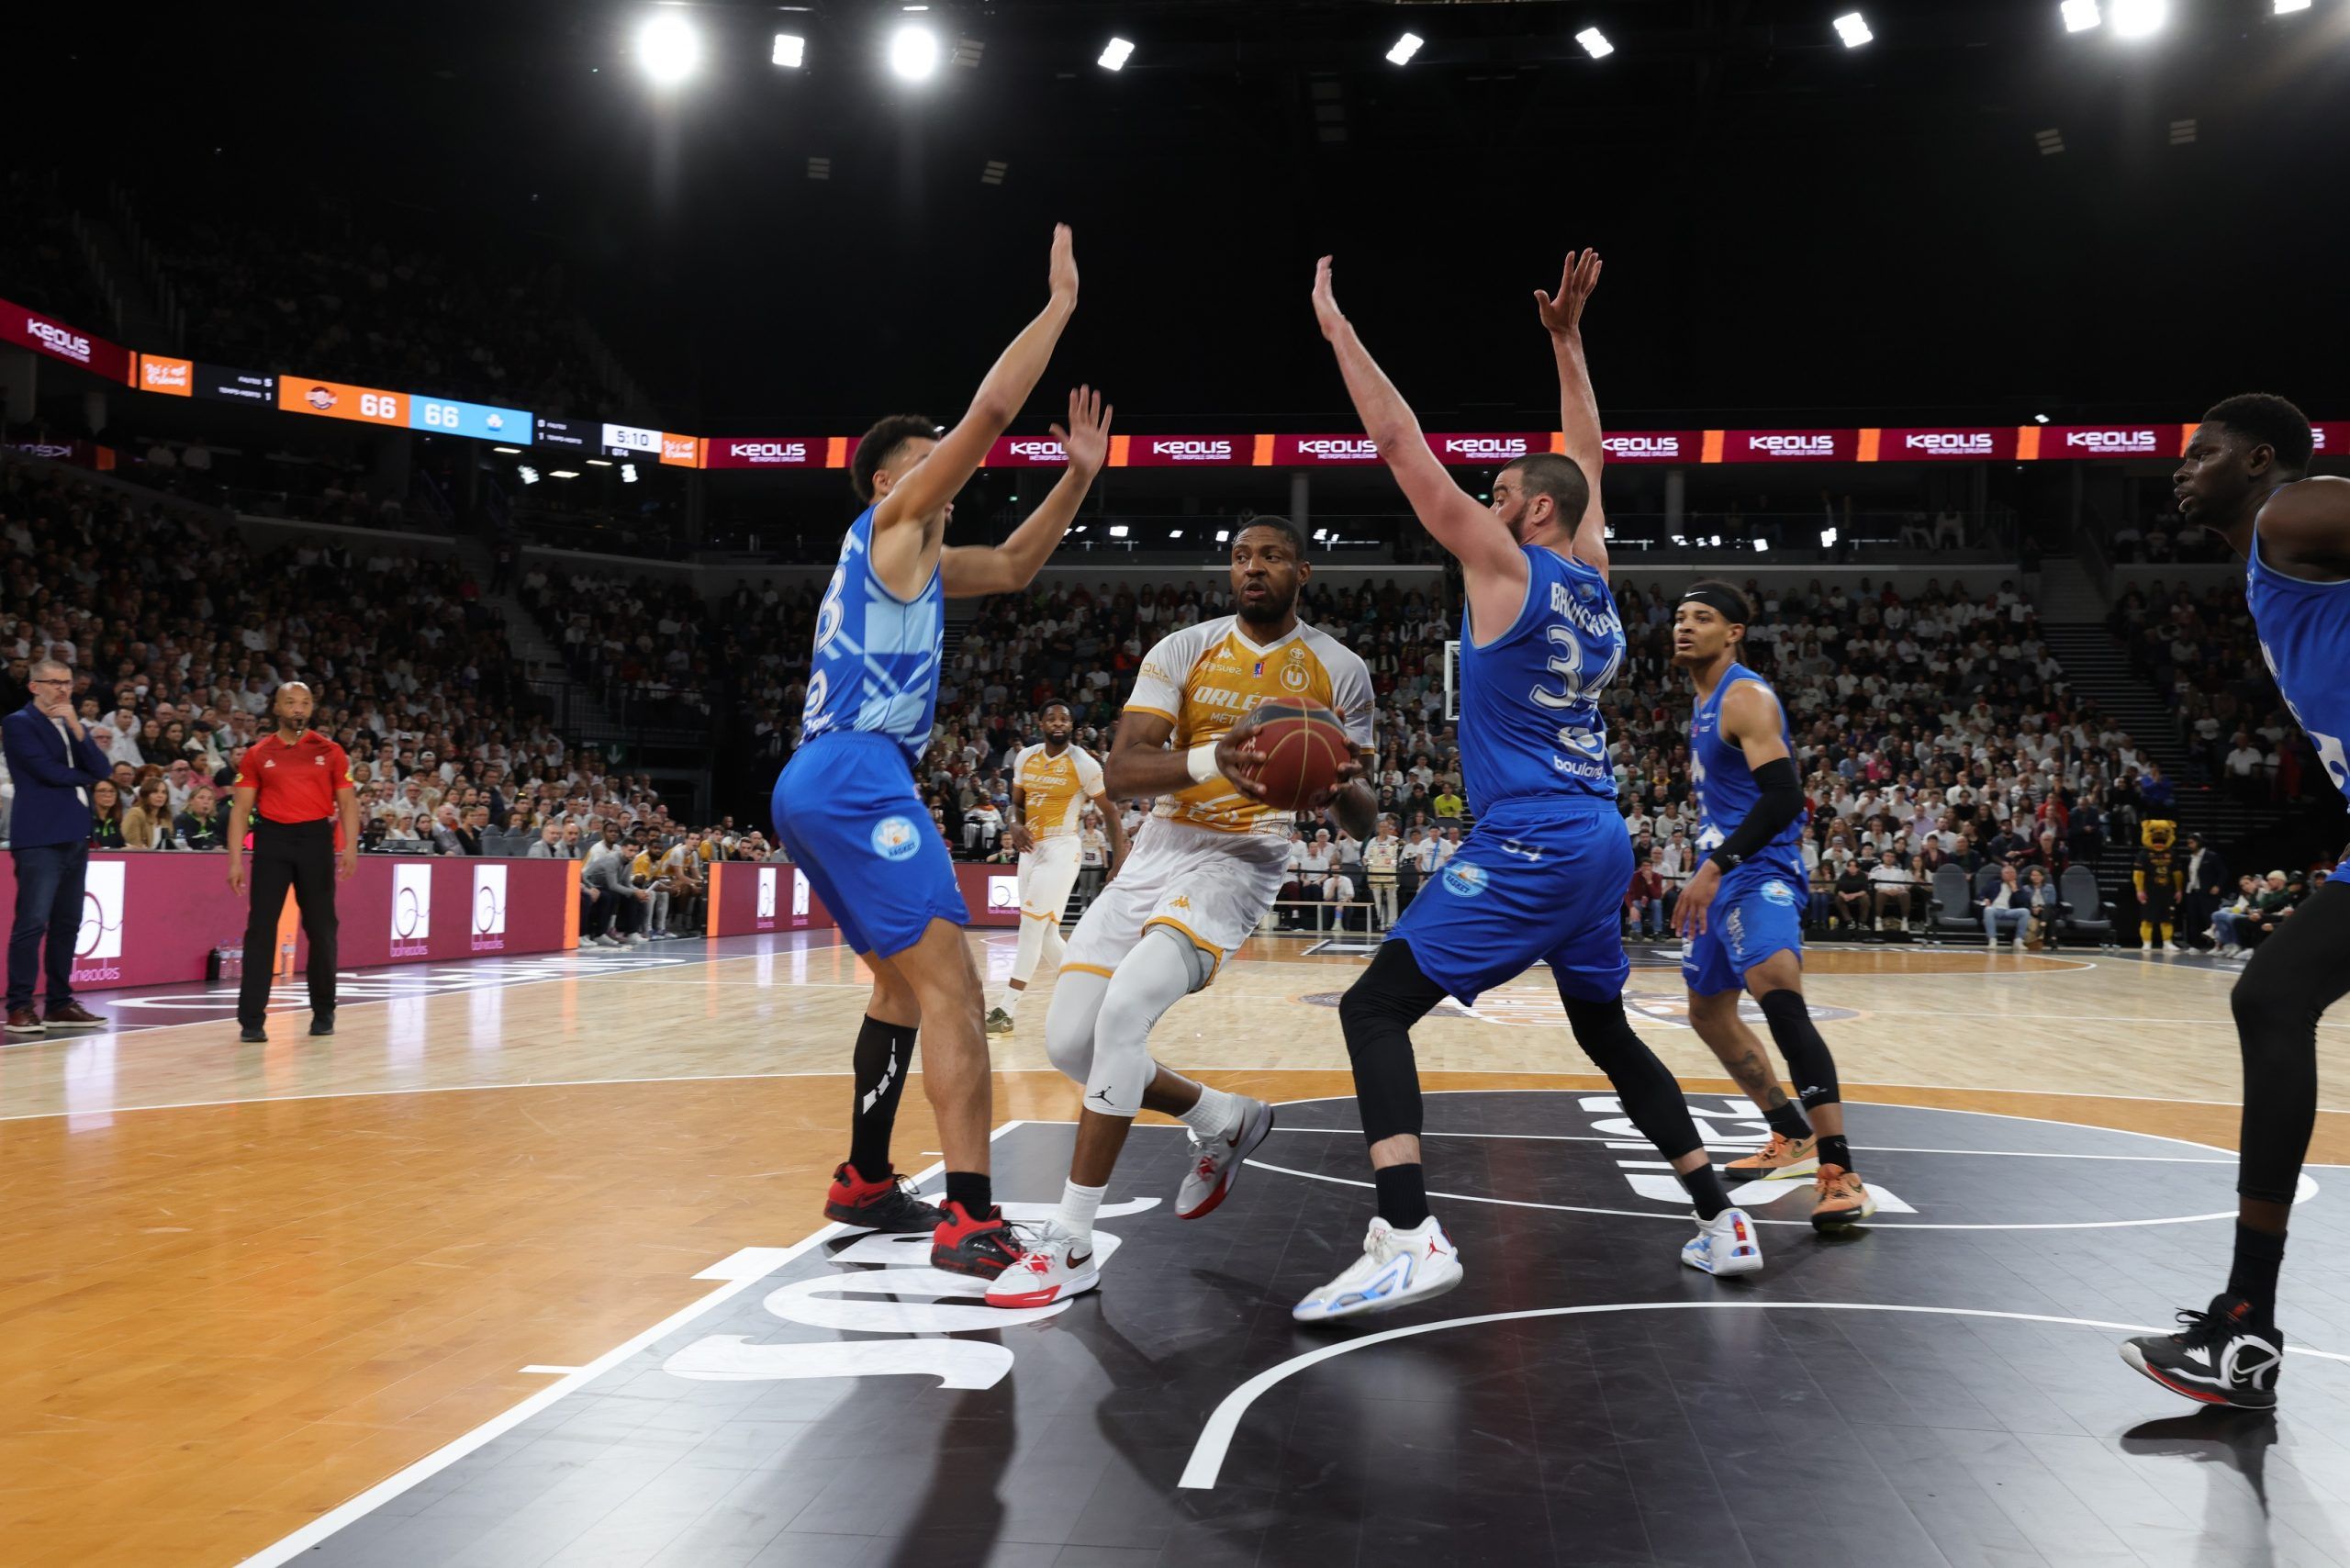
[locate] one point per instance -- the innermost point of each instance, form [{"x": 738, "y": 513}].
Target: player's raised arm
[
  {"x": 1476, "y": 538},
  {"x": 970, "y": 571},
  {"x": 1561, "y": 316},
  {"x": 933, "y": 482}
]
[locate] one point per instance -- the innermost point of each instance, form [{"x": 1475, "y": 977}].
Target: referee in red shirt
[{"x": 291, "y": 786}]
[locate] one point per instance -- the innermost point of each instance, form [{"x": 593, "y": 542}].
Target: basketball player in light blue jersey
[
  {"x": 846, "y": 805},
  {"x": 2245, "y": 478},
  {"x": 1740, "y": 915},
  {"x": 1541, "y": 877}
]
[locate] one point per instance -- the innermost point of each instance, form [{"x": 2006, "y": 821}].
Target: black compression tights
[{"x": 2293, "y": 977}]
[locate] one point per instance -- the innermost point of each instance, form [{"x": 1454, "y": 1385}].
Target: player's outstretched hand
[
  {"x": 1241, "y": 761},
  {"x": 1086, "y": 437},
  {"x": 1062, "y": 271},
  {"x": 1689, "y": 913},
  {"x": 1562, "y": 312},
  {"x": 1348, "y": 773},
  {"x": 1326, "y": 314}
]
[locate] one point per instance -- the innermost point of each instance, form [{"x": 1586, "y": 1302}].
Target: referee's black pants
[{"x": 299, "y": 856}]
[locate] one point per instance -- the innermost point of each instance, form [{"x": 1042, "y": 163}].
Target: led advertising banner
[
  {"x": 447, "y": 416},
  {"x": 1785, "y": 446},
  {"x": 1315, "y": 451},
  {"x": 1940, "y": 444},
  {"x": 1655, "y": 446},
  {"x": 339, "y": 400},
  {"x": 1182, "y": 451},
  {"x": 28, "y": 328},
  {"x": 2098, "y": 441},
  {"x": 2332, "y": 440},
  {"x": 1025, "y": 451},
  {"x": 762, "y": 452},
  {"x": 680, "y": 451},
  {"x": 193, "y": 378}
]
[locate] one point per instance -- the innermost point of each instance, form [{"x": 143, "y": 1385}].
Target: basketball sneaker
[
  {"x": 1839, "y": 1199},
  {"x": 889, "y": 1206},
  {"x": 2219, "y": 1358},
  {"x": 1778, "y": 1160},
  {"x": 999, "y": 1022},
  {"x": 983, "y": 1248},
  {"x": 1724, "y": 1244},
  {"x": 1397, "y": 1268},
  {"x": 1215, "y": 1161},
  {"x": 1054, "y": 1267}
]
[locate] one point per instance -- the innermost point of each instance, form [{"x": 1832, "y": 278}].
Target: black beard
[
  {"x": 1269, "y": 613},
  {"x": 297, "y": 725}
]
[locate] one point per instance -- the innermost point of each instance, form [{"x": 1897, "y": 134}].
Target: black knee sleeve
[
  {"x": 1649, "y": 1095},
  {"x": 1809, "y": 1061},
  {"x": 1377, "y": 1013}
]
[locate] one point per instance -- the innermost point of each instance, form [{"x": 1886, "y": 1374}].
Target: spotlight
[
  {"x": 994, "y": 172},
  {"x": 599, "y": 462},
  {"x": 669, "y": 48},
  {"x": 563, "y": 473},
  {"x": 2040, "y": 419},
  {"x": 2052, "y": 141},
  {"x": 528, "y": 475},
  {"x": 509, "y": 451},
  {"x": 2285, "y": 5},
  {"x": 914, "y": 52},
  {"x": 790, "y": 49},
  {"x": 1117, "y": 531},
  {"x": 1174, "y": 534},
  {"x": 1405, "y": 47},
  {"x": 1853, "y": 30},
  {"x": 1223, "y": 536},
  {"x": 1114, "y": 54},
  {"x": 628, "y": 473},
  {"x": 1594, "y": 43},
  {"x": 1761, "y": 546},
  {"x": 2137, "y": 18},
  {"x": 1828, "y": 539},
  {"x": 2079, "y": 16}
]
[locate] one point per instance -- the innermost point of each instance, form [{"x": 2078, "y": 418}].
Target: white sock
[
  {"x": 1010, "y": 1003},
  {"x": 1078, "y": 1207},
  {"x": 1216, "y": 1115}
]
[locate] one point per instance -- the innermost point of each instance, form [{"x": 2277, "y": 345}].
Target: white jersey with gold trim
[
  {"x": 1054, "y": 789},
  {"x": 1206, "y": 677}
]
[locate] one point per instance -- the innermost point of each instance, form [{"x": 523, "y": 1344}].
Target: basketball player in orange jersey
[
  {"x": 1050, "y": 784},
  {"x": 1205, "y": 869}
]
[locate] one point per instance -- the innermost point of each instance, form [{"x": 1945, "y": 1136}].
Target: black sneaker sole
[
  {"x": 921, "y": 1223},
  {"x": 952, "y": 1262},
  {"x": 2254, "y": 1401}
]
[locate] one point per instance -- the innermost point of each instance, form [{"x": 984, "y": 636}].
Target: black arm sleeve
[{"x": 1782, "y": 802}]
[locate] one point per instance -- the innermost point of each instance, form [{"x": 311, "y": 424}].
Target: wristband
[{"x": 1202, "y": 761}]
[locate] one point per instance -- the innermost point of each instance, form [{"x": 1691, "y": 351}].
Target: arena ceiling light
[
  {"x": 599, "y": 462},
  {"x": 2138, "y": 18},
  {"x": 1853, "y": 29},
  {"x": 528, "y": 475},
  {"x": 509, "y": 451},
  {"x": 914, "y": 52},
  {"x": 563, "y": 473},
  {"x": 668, "y": 47},
  {"x": 1115, "y": 53},
  {"x": 1118, "y": 531},
  {"x": 1594, "y": 43},
  {"x": 628, "y": 473},
  {"x": 2284, "y": 6},
  {"x": 790, "y": 51},
  {"x": 2079, "y": 16},
  {"x": 1404, "y": 48}
]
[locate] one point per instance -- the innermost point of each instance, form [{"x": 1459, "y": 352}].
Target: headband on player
[{"x": 1714, "y": 598}]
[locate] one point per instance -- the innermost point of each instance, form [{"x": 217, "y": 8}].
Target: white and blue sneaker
[
  {"x": 1397, "y": 1268},
  {"x": 1726, "y": 1244}
]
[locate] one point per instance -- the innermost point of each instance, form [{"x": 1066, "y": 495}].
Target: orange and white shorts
[{"x": 1211, "y": 888}]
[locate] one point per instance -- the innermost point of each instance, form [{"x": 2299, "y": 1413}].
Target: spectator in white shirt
[{"x": 1891, "y": 884}]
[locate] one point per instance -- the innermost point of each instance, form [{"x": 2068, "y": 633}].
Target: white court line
[
  {"x": 449, "y": 1453},
  {"x": 1864, "y": 1147},
  {"x": 424, "y": 1089},
  {"x": 535, "y": 1369},
  {"x": 2308, "y": 1189},
  {"x": 1207, "y": 1454}
]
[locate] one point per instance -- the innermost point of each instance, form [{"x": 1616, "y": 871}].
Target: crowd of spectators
[
  {"x": 2201, "y": 648},
  {"x": 411, "y": 672}
]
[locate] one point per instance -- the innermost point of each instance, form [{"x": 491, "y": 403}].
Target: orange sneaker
[
  {"x": 1839, "y": 1199},
  {"x": 1779, "y": 1159}
]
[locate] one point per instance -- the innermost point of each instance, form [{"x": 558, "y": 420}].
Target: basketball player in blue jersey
[
  {"x": 1542, "y": 874},
  {"x": 1739, "y": 917},
  {"x": 2245, "y": 478},
  {"x": 846, "y": 805}
]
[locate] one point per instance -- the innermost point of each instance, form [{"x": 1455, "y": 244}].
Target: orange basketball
[{"x": 1303, "y": 746}]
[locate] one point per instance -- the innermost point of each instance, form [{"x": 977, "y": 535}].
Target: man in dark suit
[
  {"x": 54, "y": 762},
  {"x": 2209, "y": 888}
]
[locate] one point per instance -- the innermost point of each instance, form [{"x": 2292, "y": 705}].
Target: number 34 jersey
[{"x": 1529, "y": 698}]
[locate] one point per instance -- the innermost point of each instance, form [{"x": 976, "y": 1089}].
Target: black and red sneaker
[
  {"x": 889, "y": 1206},
  {"x": 2219, "y": 1357},
  {"x": 983, "y": 1248}
]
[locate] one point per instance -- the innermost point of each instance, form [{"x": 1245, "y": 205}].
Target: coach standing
[
  {"x": 54, "y": 763},
  {"x": 291, "y": 786}
]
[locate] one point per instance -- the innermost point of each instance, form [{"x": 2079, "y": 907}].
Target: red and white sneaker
[
  {"x": 981, "y": 1245},
  {"x": 1215, "y": 1161},
  {"x": 889, "y": 1206},
  {"x": 1055, "y": 1267}
]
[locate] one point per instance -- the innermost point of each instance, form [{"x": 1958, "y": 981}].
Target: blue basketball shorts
[
  {"x": 846, "y": 808},
  {"x": 1535, "y": 879},
  {"x": 1759, "y": 911}
]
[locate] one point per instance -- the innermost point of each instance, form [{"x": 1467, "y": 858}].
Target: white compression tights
[
  {"x": 1040, "y": 943},
  {"x": 1098, "y": 1029}
]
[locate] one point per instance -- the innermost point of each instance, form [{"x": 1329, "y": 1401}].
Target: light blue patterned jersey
[{"x": 876, "y": 664}]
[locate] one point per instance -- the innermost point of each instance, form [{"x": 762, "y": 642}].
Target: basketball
[{"x": 1303, "y": 746}]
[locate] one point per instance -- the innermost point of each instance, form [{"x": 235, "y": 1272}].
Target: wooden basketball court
[{"x": 243, "y": 1287}]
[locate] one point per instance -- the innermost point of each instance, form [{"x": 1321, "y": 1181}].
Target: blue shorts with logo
[
  {"x": 1759, "y": 911},
  {"x": 846, "y": 808},
  {"x": 1541, "y": 878}
]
